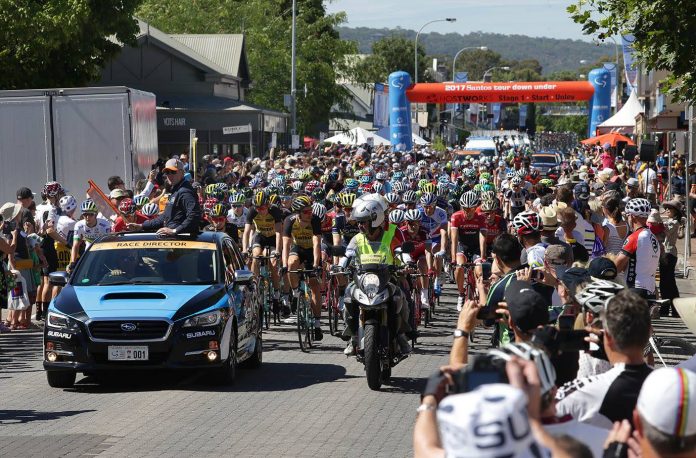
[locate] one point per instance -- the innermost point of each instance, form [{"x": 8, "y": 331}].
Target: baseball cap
[
  {"x": 559, "y": 256},
  {"x": 493, "y": 406},
  {"x": 573, "y": 277},
  {"x": 667, "y": 401},
  {"x": 632, "y": 183},
  {"x": 117, "y": 193},
  {"x": 549, "y": 218},
  {"x": 24, "y": 193},
  {"x": 603, "y": 268},
  {"x": 581, "y": 191},
  {"x": 528, "y": 309},
  {"x": 174, "y": 165}
]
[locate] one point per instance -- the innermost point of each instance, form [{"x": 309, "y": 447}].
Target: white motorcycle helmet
[
  {"x": 368, "y": 210},
  {"x": 372, "y": 197}
]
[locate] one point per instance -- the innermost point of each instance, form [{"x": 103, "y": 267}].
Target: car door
[{"x": 242, "y": 297}]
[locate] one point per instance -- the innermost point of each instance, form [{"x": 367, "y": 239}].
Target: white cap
[
  {"x": 667, "y": 401},
  {"x": 499, "y": 410}
]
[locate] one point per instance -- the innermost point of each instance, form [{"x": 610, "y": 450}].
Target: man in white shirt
[{"x": 648, "y": 182}]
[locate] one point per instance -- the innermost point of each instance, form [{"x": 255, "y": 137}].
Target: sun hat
[
  {"x": 667, "y": 401},
  {"x": 9, "y": 211}
]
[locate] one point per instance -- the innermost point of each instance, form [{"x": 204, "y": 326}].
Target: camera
[
  {"x": 484, "y": 369},
  {"x": 9, "y": 227},
  {"x": 560, "y": 341}
]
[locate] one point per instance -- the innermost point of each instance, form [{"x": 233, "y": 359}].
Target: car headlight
[
  {"x": 204, "y": 319},
  {"x": 60, "y": 321},
  {"x": 370, "y": 284}
]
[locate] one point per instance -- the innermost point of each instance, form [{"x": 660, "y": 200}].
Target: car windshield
[
  {"x": 544, "y": 160},
  {"x": 157, "y": 262}
]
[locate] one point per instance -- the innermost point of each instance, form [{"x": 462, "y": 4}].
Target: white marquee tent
[
  {"x": 357, "y": 136},
  {"x": 417, "y": 140},
  {"x": 624, "y": 121}
]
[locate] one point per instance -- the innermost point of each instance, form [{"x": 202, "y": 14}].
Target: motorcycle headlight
[
  {"x": 60, "y": 321},
  {"x": 370, "y": 284},
  {"x": 204, "y": 319}
]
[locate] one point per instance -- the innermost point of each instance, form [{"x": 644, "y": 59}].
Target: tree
[
  {"x": 476, "y": 62},
  {"x": 663, "y": 31},
  {"x": 391, "y": 54},
  {"x": 266, "y": 24},
  {"x": 57, "y": 43}
]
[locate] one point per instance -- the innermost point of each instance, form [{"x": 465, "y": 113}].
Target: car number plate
[{"x": 127, "y": 353}]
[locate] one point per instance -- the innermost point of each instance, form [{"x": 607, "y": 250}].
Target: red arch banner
[{"x": 519, "y": 92}]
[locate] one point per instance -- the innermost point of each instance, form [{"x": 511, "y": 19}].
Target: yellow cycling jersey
[
  {"x": 264, "y": 224},
  {"x": 301, "y": 233}
]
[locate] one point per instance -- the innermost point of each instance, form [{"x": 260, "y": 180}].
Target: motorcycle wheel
[{"x": 372, "y": 360}]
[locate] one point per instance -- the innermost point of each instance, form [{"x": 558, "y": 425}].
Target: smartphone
[
  {"x": 477, "y": 378},
  {"x": 538, "y": 274},
  {"x": 573, "y": 340},
  {"x": 566, "y": 322}
]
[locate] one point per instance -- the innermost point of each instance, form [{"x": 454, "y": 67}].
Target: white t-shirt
[
  {"x": 649, "y": 175},
  {"x": 90, "y": 234},
  {"x": 535, "y": 255}
]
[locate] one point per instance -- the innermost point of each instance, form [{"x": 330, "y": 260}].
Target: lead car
[{"x": 139, "y": 301}]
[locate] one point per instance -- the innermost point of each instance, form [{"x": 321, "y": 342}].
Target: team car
[{"x": 140, "y": 301}]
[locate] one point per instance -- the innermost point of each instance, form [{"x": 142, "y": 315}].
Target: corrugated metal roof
[
  {"x": 223, "y": 49},
  {"x": 208, "y": 103}
]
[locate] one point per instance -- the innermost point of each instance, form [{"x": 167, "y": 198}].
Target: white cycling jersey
[
  {"x": 89, "y": 234},
  {"x": 65, "y": 226},
  {"x": 432, "y": 224},
  {"x": 517, "y": 199},
  {"x": 240, "y": 220}
]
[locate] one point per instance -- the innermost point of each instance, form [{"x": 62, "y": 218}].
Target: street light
[
  {"x": 505, "y": 67},
  {"x": 454, "y": 66},
  {"x": 415, "y": 49}
]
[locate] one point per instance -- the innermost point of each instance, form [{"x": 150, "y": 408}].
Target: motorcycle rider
[{"x": 376, "y": 238}]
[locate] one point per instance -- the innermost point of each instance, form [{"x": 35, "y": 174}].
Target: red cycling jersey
[
  {"x": 494, "y": 227},
  {"x": 469, "y": 229},
  {"x": 418, "y": 238}
]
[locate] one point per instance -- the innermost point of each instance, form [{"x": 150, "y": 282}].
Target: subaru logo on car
[{"x": 128, "y": 327}]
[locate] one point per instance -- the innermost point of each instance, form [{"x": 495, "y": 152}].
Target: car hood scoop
[{"x": 133, "y": 295}]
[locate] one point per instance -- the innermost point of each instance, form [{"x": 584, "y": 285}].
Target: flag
[{"x": 101, "y": 200}]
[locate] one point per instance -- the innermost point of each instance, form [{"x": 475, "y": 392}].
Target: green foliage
[
  {"x": 577, "y": 124},
  {"x": 56, "y": 43},
  {"x": 553, "y": 55},
  {"x": 663, "y": 31},
  {"x": 267, "y": 25},
  {"x": 390, "y": 54},
  {"x": 439, "y": 144}
]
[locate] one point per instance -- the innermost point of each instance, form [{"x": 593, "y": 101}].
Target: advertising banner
[
  {"x": 459, "y": 77},
  {"x": 630, "y": 69},
  {"x": 496, "y": 113},
  {"x": 613, "y": 71},
  {"x": 523, "y": 115},
  {"x": 600, "y": 105},
  {"x": 517, "y": 92},
  {"x": 399, "y": 112},
  {"x": 380, "y": 106}
]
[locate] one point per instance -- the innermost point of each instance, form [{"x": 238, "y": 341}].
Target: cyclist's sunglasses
[
  {"x": 219, "y": 219},
  {"x": 85, "y": 215},
  {"x": 413, "y": 223}
]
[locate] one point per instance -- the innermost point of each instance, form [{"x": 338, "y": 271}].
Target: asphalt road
[{"x": 297, "y": 404}]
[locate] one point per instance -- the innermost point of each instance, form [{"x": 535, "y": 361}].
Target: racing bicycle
[
  {"x": 268, "y": 303},
  {"x": 305, "y": 316}
]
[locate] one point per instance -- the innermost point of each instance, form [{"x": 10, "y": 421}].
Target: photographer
[{"x": 600, "y": 400}]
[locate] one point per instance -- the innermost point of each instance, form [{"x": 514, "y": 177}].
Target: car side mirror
[
  {"x": 407, "y": 247},
  {"x": 243, "y": 277},
  {"x": 58, "y": 278}
]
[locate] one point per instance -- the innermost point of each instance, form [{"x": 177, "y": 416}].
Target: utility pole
[{"x": 293, "y": 75}]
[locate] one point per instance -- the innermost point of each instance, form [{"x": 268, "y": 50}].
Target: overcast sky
[{"x": 536, "y": 18}]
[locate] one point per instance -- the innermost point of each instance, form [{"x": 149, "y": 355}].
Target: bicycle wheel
[
  {"x": 673, "y": 350},
  {"x": 431, "y": 296},
  {"x": 330, "y": 296},
  {"x": 309, "y": 319},
  {"x": 302, "y": 324}
]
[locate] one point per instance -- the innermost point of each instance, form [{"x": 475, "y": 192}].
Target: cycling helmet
[
  {"x": 368, "y": 211},
  {"x": 470, "y": 174},
  {"x": 428, "y": 199},
  {"x": 486, "y": 176},
  {"x": 397, "y": 216},
  {"x": 333, "y": 175},
  {"x": 318, "y": 194},
  {"x": 410, "y": 197},
  {"x": 297, "y": 186},
  {"x": 392, "y": 198},
  {"x": 490, "y": 204},
  {"x": 398, "y": 187},
  {"x": 413, "y": 215},
  {"x": 260, "y": 199},
  {"x": 381, "y": 176},
  {"x": 209, "y": 203},
  {"x": 638, "y": 207},
  {"x": 126, "y": 206},
  {"x": 397, "y": 176},
  {"x": 222, "y": 187},
  {"x": 529, "y": 352},
  {"x": 237, "y": 199},
  {"x": 469, "y": 200},
  {"x": 516, "y": 181},
  {"x": 67, "y": 204},
  {"x": 527, "y": 222},
  {"x": 443, "y": 189},
  {"x": 510, "y": 175},
  {"x": 218, "y": 210},
  {"x": 351, "y": 184},
  {"x": 139, "y": 201},
  {"x": 319, "y": 210},
  {"x": 278, "y": 182},
  {"x": 365, "y": 179},
  {"x": 150, "y": 209},
  {"x": 595, "y": 295},
  {"x": 300, "y": 202},
  {"x": 548, "y": 182},
  {"x": 482, "y": 181},
  {"x": 366, "y": 188},
  {"x": 211, "y": 188},
  {"x": 422, "y": 163},
  {"x": 347, "y": 199},
  {"x": 311, "y": 186},
  {"x": 88, "y": 206},
  {"x": 534, "y": 173},
  {"x": 273, "y": 199},
  {"x": 378, "y": 187},
  {"x": 52, "y": 189}
]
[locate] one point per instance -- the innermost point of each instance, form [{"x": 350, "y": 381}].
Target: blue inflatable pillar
[
  {"x": 400, "y": 112},
  {"x": 600, "y": 104}
]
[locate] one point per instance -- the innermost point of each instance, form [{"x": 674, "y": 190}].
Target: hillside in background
[{"x": 552, "y": 54}]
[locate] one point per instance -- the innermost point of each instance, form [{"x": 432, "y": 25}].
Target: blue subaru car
[{"x": 140, "y": 301}]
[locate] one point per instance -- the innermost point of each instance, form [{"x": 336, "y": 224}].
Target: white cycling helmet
[
  {"x": 469, "y": 199},
  {"x": 319, "y": 210},
  {"x": 397, "y": 216},
  {"x": 150, "y": 209},
  {"x": 368, "y": 210},
  {"x": 67, "y": 204},
  {"x": 595, "y": 295},
  {"x": 638, "y": 207}
]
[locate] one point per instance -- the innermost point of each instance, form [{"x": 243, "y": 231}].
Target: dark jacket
[{"x": 182, "y": 213}]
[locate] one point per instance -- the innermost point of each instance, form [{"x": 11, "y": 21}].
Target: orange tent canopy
[{"x": 612, "y": 138}]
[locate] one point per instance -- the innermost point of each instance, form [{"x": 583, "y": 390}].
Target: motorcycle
[{"x": 373, "y": 293}]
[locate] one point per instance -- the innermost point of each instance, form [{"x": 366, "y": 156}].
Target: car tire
[
  {"x": 226, "y": 374},
  {"x": 61, "y": 379},
  {"x": 256, "y": 359}
]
